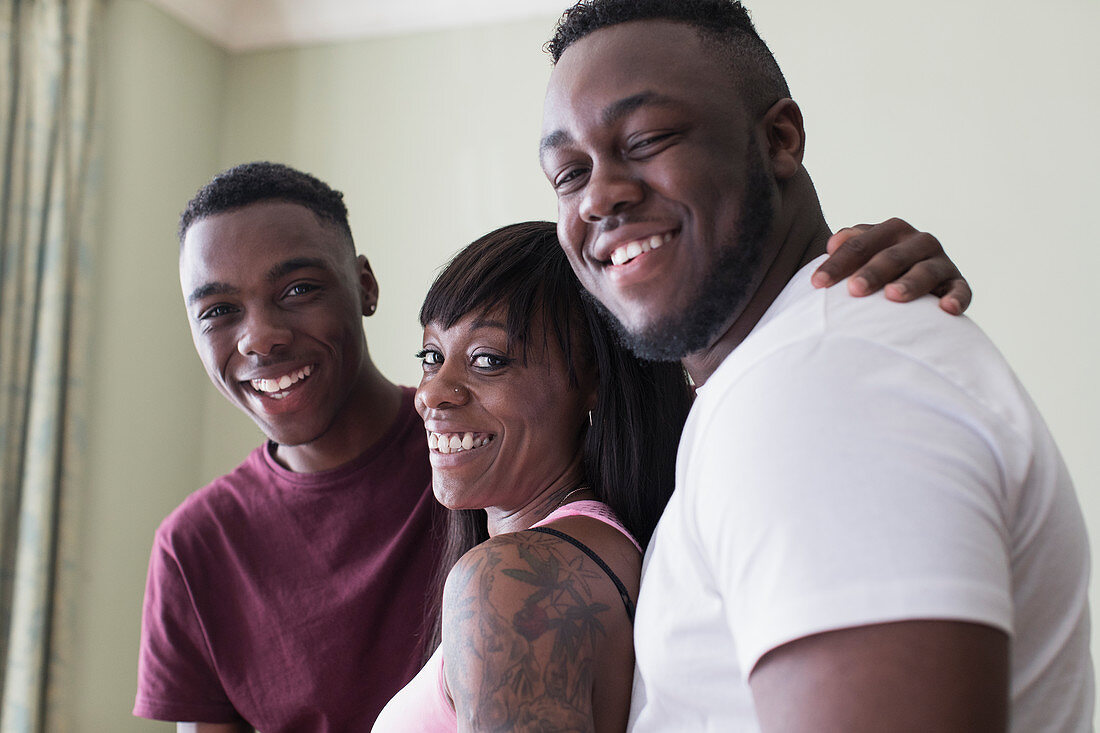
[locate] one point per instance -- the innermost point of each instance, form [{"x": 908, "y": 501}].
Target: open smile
[
  {"x": 457, "y": 442},
  {"x": 277, "y": 387},
  {"x": 627, "y": 252}
]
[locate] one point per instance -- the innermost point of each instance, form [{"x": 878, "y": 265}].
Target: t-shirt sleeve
[
  {"x": 842, "y": 484},
  {"x": 177, "y": 679}
]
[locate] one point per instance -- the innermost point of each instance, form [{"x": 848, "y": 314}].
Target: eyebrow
[
  {"x": 611, "y": 113},
  {"x": 297, "y": 263},
  {"x": 208, "y": 289},
  {"x": 280, "y": 270}
]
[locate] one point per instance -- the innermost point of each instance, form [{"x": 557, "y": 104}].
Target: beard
[{"x": 725, "y": 290}]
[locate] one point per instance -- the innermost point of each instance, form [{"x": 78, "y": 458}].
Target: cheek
[
  {"x": 213, "y": 353},
  {"x": 557, "y": 416},
  {"x": 571, "y": 237}
]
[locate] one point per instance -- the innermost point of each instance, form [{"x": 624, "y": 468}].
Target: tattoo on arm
[{"x": 520, "y": 633}]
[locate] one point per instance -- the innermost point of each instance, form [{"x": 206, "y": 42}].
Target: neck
[
  {"x": 799, "y": 234},
  {"x": 502, "y": 520},
  {"x": 368, "y": 413}
]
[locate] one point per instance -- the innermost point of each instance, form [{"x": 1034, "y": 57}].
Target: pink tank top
[{"x": 423, "y": 705}]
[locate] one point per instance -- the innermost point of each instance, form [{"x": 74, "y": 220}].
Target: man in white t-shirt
[{"x": 872, "y": 528}]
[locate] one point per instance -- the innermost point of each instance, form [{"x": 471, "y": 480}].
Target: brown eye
[
  {"x": 429, "y": 357},
  {"x": 567, "y": 177},
  {"x": 300, "y": 289},
  {"x": 215, "y": 312},
  {"x": 489, "y": 362},
  {"x": 651, "y": 144}
]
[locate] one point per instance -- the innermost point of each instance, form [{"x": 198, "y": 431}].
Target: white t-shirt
[{"x": 854, "y": 462}]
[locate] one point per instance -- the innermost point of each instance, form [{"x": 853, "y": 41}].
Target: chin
[
  {"x": 289, "y": 438},
  {"x": 446, "y": 497}
]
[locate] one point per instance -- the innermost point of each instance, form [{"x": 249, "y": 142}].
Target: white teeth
[
  {"x": 456, "y": 442},
  {"x": 630, "y": 250},
  {"x": 272, "y": 386}
]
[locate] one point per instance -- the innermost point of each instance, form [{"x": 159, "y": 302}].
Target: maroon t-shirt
[{"x": 294, "y": 601}]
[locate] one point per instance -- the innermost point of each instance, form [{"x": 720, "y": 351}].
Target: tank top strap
[
  {"x": 627, "y": 603},
  {"x": 590, "y": 508}
]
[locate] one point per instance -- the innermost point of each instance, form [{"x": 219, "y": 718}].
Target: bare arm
[
  {"x": 526, "y": 620},
  {"x": 894, "y": 257},
  {"x": 943, "y": 676},
  {"x": 213, "y": 728}
]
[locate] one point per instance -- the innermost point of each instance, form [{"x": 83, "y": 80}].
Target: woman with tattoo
[{"x": 556, "y": 448}]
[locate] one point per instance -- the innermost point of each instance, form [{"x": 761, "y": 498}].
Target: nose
[
  {"x": 440, "y": 391},
  {"x": 263, "y": 333},
  {"x": 610, "y": 190}
]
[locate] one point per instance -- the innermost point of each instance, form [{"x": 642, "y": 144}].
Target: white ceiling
[{"x": 241, "y": 25}]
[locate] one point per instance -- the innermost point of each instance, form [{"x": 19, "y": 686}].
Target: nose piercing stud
[{"x": 456, "y": 390}]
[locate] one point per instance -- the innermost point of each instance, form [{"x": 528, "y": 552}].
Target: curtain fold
[{"x": 46, "y": 108}]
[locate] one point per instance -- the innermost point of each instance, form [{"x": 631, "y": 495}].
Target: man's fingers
[
  {"x": 932, "y": 275},
  {"x": 913, "y": 259},
  {"x": 957, "y": 297},
  {"x": 936, "y": 275},
  {"x": 847, "y": 255},
  {"x": 858, "y": 251},
  {"x": 893, "y": 256}
]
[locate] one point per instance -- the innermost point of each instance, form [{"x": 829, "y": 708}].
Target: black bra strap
[{"x": 596, "y": 559}]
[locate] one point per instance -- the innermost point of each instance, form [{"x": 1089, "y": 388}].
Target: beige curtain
[{"x": 46, "y": 49}]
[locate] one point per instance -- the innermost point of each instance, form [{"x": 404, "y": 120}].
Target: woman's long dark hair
[{"x": 630, "y": 448}]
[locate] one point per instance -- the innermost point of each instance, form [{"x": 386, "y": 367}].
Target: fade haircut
[
  {"x": 249, "y": 183},
  {"x": 724, "y": 25}
]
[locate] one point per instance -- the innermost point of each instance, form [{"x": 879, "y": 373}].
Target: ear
[
  {"x": 591, "y": 399},
  {"x": 786, "y": 138},
  {"x": 368, "y": 286}
]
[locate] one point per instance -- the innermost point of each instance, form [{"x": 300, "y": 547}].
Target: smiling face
[
  {"x": 664, "y": 199},
  {"x": 275, "y": 300},
  {"x": 501, "y": 433}
]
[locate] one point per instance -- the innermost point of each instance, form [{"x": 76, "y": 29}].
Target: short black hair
[
  {"x": 264, "y": 181},
  {"x": 521, "y": 268},
  {"x": 724, "y": 23},
  {"x": 641, "y": 406}
]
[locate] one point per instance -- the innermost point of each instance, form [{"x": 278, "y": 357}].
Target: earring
[
  {"x": 372, "y": 307},
  {"x": 589, "y": 418}
]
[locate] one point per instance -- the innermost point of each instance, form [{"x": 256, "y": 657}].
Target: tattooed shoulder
[{"x": 521, "y": 627}]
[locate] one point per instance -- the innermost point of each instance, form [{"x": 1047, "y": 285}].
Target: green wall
[{"x": 162, "y": 111}]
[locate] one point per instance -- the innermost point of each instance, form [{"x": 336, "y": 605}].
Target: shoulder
[
  {"x": 226, "y": 499},
  {"x": 539, "y": 591},
  {"x": 519, "y": 568},
  {"x": 853, "y": 360},
  {"x": 529, "y": 624}
]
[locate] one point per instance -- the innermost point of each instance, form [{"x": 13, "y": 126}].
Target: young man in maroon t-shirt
[{"x": 288, "y": 594}]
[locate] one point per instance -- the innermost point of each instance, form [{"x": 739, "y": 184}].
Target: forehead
[
  {"x": 659, "y": 58},
  {"x": 241, "y": 243}
]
